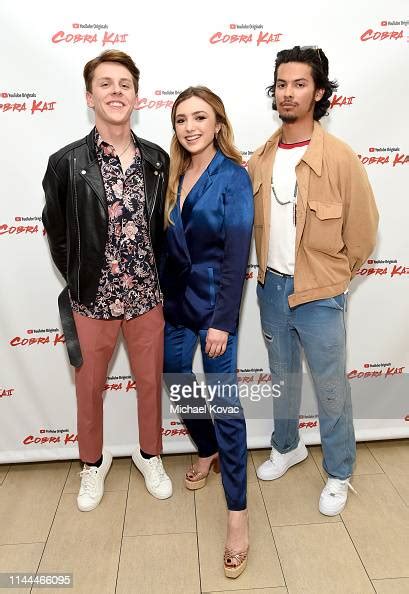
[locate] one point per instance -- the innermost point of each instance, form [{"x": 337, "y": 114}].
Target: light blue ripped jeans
[{"x": 319, "y": 328}]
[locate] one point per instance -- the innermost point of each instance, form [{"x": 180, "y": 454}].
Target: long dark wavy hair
[{"x": 318, "y": 61}]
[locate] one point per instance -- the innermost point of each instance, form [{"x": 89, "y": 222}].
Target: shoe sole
[
  {"x": 88, "y": 509},
  {"x": 234, "y": 572},
  {"x": 331, "y": 513},
  {"x": 304, "y": 457},
  {"x": 147, "y": 488},
  {"x": 199, "y": 484},
  {"x": 194, "y": 485}
]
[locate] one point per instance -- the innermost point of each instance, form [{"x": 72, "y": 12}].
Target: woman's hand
[{"x": 216, "y": 342}]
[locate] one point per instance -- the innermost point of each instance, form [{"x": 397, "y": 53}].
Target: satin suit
[{"x": 203, "y": 270}]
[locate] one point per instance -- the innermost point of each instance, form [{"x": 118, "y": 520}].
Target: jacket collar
[
  {"x": 202, "y": 186},
  {"x": 148, "y": 154},
  {"x": 176, "y": 233},
  {"x": 91, "y": 144},
  {"x": 215, "y": 163},
  {"x": 314, "y": 153}
]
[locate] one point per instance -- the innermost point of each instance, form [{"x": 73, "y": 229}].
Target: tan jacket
[{"x": 337, "y": 217}]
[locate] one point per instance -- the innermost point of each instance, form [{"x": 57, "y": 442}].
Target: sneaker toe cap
[
  {"x": 87, "y": 503},
  {"x": 162, "y": 491},
  {"x": 331, "y": 506},
  {"x": 266, "y": 471}
]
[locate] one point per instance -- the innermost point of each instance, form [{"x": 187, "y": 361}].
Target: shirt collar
[
  {"x": 314, "y": 153},
  {"x": 104, "y": 148}
]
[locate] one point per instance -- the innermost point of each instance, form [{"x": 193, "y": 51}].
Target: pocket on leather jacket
[{"x": 324, "y": 226}]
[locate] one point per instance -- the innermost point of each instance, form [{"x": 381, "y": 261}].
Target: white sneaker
[
  {"x": 156, "y": 480},
  {"x": 278, "y": 464},
  {"x": 92, "y": 483},
  {"x": 334, "y": 496}
]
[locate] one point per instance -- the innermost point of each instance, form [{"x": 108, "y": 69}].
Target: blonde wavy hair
[{"x": 180, "y": 158}]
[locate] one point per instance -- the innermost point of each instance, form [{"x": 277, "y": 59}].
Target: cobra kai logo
[
  {"x": 6, "y": 392},
  {"x": 32, "y": 107},
  {"x": 105, "y": 38},
  {"x": 260, "y": 38},
  {"x": 389, "y": 268},
  {"x": 385, "y": 370},
  {"x": 47, "y": 336},
  {"x": 23, "y": 226},
  {"x": 390, "y": 156},
  {"x": 63, "y": 439}
]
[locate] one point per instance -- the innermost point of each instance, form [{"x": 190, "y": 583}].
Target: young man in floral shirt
[{"x": 104, "y": 220}]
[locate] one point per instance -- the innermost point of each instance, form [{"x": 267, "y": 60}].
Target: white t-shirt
[{"x": 281, "y": 249}]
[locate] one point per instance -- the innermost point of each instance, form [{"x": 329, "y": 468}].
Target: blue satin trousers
[{"x": 222, "y": 428}]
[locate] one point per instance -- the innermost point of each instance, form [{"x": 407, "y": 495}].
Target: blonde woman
[{"x": 209, "y": 217}]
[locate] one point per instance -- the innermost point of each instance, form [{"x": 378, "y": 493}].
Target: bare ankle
[
  {"x": 237, "y": 516},
  {"x": 206, "y": 460}
]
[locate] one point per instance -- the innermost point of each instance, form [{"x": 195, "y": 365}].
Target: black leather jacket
[{"x": 75, "y": 215}]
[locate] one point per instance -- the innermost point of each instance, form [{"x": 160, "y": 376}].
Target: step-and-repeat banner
[{"x": 229, "y": 47}]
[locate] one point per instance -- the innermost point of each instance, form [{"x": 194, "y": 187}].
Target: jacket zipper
[
  {"x": 78, "y": 231},
  {"x": 154, "y": 198},
  {"x": 149, "y": 224}
]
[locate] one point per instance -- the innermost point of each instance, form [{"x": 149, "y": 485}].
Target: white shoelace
[
  {"x": 333, "y": 486},
  {"x": 157, "y": 471},
  {"x": 89, "y": 480},
  {"x": 352, "y": 488},
  {"x": 275, "y": 456}
]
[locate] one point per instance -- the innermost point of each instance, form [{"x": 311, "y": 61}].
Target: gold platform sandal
[
  {"x": 234, "y": 563},
  {"x": 197, "y": 480}
]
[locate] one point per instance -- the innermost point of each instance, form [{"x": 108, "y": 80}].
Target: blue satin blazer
[{"x": 207, "y": 248}]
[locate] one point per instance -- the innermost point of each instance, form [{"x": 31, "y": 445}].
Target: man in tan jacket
[{"x": 315, "y": 224}]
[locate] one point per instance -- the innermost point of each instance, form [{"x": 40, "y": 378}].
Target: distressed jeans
[{"x": 317, "y": 327}]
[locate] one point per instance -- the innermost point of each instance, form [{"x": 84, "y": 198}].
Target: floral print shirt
[{"x": 128, "y": 286}]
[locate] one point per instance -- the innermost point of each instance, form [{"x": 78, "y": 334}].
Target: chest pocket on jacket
[{"x": 323, "y": 230}]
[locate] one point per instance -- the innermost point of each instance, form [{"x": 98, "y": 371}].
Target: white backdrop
[{"x": 230, "y": 47}]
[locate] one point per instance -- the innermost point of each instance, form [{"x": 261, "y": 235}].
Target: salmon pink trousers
[{"x": 144, "y": 341}]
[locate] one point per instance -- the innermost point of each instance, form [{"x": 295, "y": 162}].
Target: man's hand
[{"x": 216, "y": 342}]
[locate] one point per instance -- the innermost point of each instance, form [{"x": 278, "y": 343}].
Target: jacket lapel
[
  {"x": 92, "y": 174},
  {"x": 200, "y": 188},
  {"x": 177, "y": 250},
  {"x": 152, "y": 172},
  {"x": 263, "y": 178},
  {"x": 179, "y": 262}
]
